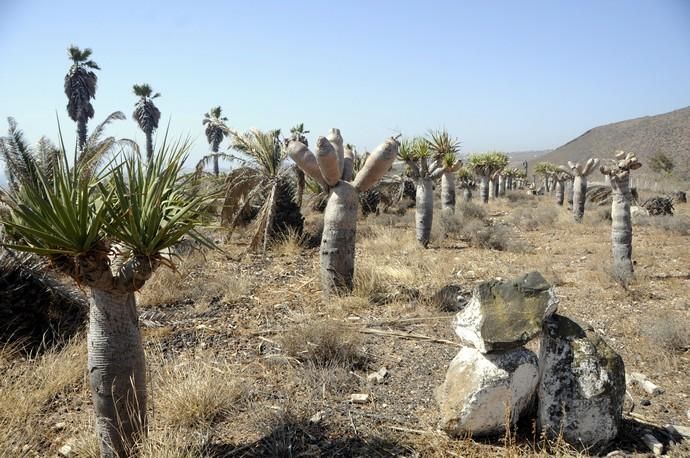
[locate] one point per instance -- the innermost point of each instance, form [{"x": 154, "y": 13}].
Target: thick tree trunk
[
  {"x": 448, "y": 192},
  {"x": 484, "y": 189},
  {"x": 560, "y": 191},
  {"x": 214, "y": 150},
  {"x": 338, "y": 239},
  {"x": 424, "y": 210},
  {"x": 149, "y": 146},
  {"x": 621, "y": 227},
  {"x": 467, "y": 194},
  {"x": 301, "y": 182},
  {"x": 570, "y": 187},
  {"x": 501, "y": 185},
  {"x": 492, "y": 188},
  {"x": 579, "y": 197},
  {"x": 117, "y": 372},
  {"x": 81, "y": 132}
]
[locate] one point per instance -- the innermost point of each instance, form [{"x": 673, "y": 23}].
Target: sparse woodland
[{"x": 228, "y": 317}]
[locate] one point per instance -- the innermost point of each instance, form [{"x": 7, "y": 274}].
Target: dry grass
[
  {"x": 671, "y": 333},
  {"x": 324, "y": 344},
  {"x": 198, "y": 279},
  {"x": 289, "y": 244}
]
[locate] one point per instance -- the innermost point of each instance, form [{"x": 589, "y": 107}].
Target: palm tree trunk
[
  {"x": 81, "y": 132},
  {"x": 579, "y": 197},
  {"x": 621, "y": 227},
  {"x": 560, "y": 191},
  {"x": 501, "y": 185},
  {"x": 467, "y": 194},
  {"x": 301, "y": 182},
  {"x": 149, "y": 146},
  {"x": 117, "y": 371},
  {"x": 268, "y": 235},
  {"x": 424, "y": 210},
  {"x": 484, "y": 189},
  {"x": 214, "y": 150},
  {"x": 448, "y": 192},
  {"x": 338, "y": 239}
]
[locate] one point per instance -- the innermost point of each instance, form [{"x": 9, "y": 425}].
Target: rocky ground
[{"x": 248, "y": 359}]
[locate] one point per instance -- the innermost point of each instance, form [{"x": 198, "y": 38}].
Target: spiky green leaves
[
  {"x": 263, "y": 148},
  {"x": 487, "y": 164}
]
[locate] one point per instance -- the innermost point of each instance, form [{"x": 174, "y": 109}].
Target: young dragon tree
[
  {"x": 580, "y": 173},
  {"x": 147, "y": 114},
  {"x": 446, "y": 148},
  {"x": 76, "y": 219},
  {"x": 466, "y": 183},
  {"x": 80, "y": 88},
  {"x": 546, "y": 171},
  {"x": 485, "y": 166},
  {"x": 331, "y": 166},
  {"x": 561, "y": 177},
  {"x": 416, "y": 153},
  {"x": 621, "y": 221}
]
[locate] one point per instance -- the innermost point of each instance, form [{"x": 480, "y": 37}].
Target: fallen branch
[{"x": 407, "y": 335}]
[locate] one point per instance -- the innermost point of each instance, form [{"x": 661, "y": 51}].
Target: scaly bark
[
  {"x": 621, "y": 226},
  {"x": 149, "y": 145},
  {"x": 448, "y": 192},
  {"x": 338, "y": 239},
  {"x": 214, "y": 149},
  {"x": 81, "y": 131},
  {"x": 424, "y": 210},
  {"x": 117, "y": 371}
]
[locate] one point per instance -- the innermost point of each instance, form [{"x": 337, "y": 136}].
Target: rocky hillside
[{"x": 667, "y": 133}]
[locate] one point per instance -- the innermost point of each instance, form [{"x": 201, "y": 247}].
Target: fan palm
[
  {"x": 485, "y": 166},
  {"x": 216, "y": 131},
  {"x": 74, "y": 219},
  {"x": 80, "y": 88},
  {"x": 297, "y": 133},
  {"x": 266, "y": 180},
  {"x": 446, "y": 148},
  {"x": 146, "y": 114}
]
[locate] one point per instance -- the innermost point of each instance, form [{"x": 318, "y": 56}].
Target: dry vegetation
[{"x": 247, "y": 359}]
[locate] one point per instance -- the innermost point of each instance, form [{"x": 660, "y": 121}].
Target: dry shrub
[
  {"x": 196, "y": 279},
  {"x": 324, "y": 344},
  {"x": 470, "y": 210},
  {"x": 679, "y": 224},
  {"x": 521, "y": 198},
  {"x": 671, "y": 333},
  {"x": 194, "y": 394},
  {"x": 531, "y": 219},
  {"x": 289, "y": 243}
]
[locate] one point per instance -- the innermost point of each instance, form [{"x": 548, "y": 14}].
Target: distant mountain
[
  {"x": 667, "y": 133},
  {"x": 518, "y": 157}
]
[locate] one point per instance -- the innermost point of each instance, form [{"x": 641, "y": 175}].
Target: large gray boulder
[
  {"x": 582, "y": 385},
  {"x": 505, "y": 314},
  {"x": 484, "y": 392}
]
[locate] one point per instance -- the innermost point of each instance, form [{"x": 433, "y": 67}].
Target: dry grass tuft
[
  {"x": 196, "y": 279},
  {"x": 531, "y": 219},
  {"x": 289, "y": 243},
  {"x": 194, "y": 394},
  {"x": 324, "y": 344},
  {"x": 672, "y": 333},
  {"x": 678, "y": 224}
]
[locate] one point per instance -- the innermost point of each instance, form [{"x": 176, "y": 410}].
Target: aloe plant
[
  {"x": 446, "y": 149},
  {"x": 75, "y": 218},
  {"x": 621, "y": 221},
  {"x": 580, "y": 173},
  {"x": 331, "y": 167},
  {"x": 486, "y": 166}
]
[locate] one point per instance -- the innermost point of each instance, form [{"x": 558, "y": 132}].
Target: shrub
[
  {"x": 324, "y": 344},
  {"x": 669, "y": 332}
]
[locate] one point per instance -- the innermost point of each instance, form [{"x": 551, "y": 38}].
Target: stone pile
[{"x": 575, "y": 386}]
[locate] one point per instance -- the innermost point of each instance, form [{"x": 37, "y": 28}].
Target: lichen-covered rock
[
  {"x": 484, "y": 392},
  {"x": 582, "y": 385},
  {"x": 506, "y": 314}
]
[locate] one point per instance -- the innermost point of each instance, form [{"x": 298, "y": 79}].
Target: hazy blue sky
[{"x": 505, "y": 75}]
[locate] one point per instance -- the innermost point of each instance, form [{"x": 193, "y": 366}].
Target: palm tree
[
  {"x": 216, "y": 131},
  {"x": 416, "y": 153},
  {"x": 265, "y": 179},
  {"x": 621, "y": 221},
  {"x": 485, "y": 166},
  {"x": 446, "y": 148},
  {"x": 580, "y": 172},
  {"x": 298, "y": 134},
  {"x": 75, "y": 222},
  {"x": 80, "y": 88},
  {"x": 146, "y": 114},
  {"x": 340, "y": 218}
]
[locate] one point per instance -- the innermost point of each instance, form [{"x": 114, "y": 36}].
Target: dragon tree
[
  {"x": 446, "y": 148},
  {"x": 580, "y": 173},
  {"x": 485, "y": 166}
]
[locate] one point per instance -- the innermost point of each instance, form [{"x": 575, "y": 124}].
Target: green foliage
[
  {"x": 545, "y": 168},
  {"x": 264, "y": 149},
  {"x": 661, "y": 163},
  {"x": 486, "y": 164},
  {"x": 145, "y": 90},
  {"x": 443, "y": 145}
]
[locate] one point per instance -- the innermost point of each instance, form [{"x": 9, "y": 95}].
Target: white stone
[
  {"x": 378, "y": 376},
  {"x": 484, "y": 392},
  {"x": 66, "y": 451},
  {"x": 359, "y": 398},
  {"x": 636, "y": 211}
]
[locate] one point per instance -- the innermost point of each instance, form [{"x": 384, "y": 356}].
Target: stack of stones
[{"x": 575, "y": 387}]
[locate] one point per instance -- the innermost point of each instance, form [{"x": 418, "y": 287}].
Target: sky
[{"x": 499, "y": 75}]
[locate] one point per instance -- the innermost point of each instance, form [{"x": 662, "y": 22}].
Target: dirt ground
[{"x": 248, "y": 359}]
